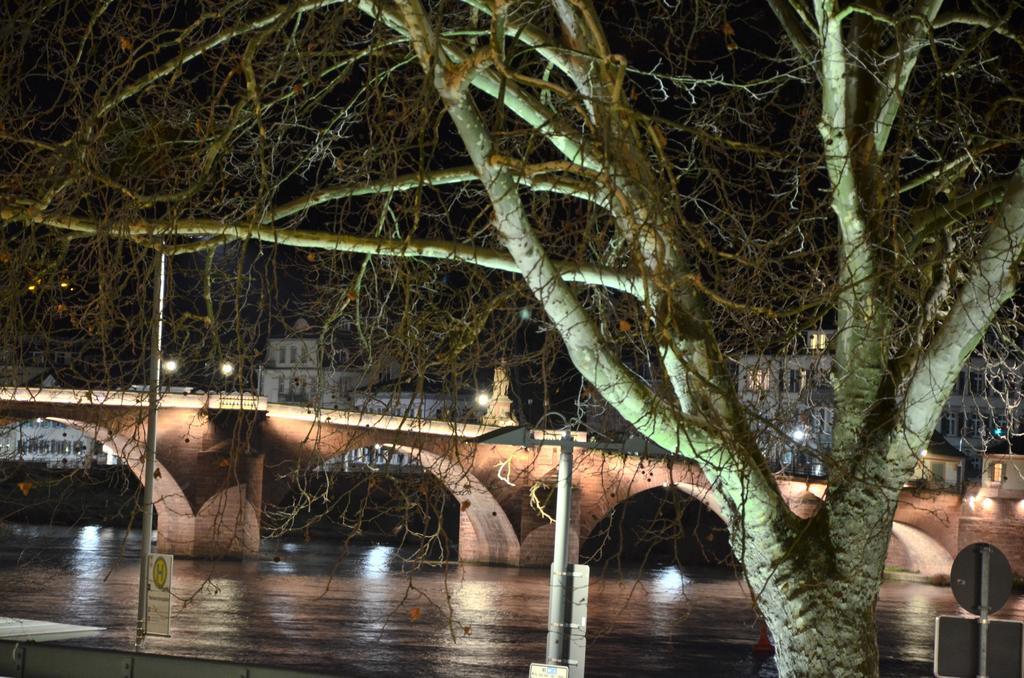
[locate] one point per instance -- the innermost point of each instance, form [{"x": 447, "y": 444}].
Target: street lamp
[
  {"x": 227, "y": 368},
  {"x": 170, "y": 365},
  {"x": 483, "y": 399},
  {"x": 563, "y": 588}
]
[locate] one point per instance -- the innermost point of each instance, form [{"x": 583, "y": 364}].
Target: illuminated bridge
[{"x": 214, "y": 452}]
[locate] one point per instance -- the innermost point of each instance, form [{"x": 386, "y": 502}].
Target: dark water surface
[{"x": 368, "y": 613}]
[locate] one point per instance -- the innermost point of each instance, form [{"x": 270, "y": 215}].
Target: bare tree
[{"x": 672, "y": 184}]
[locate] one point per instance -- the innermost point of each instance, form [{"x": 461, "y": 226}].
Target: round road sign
[
  {"x": 160, "y": 573},
  {"x": 965, "y": 578}
]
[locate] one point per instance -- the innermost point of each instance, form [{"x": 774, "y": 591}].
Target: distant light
[
  {"x": 986, "y": 503},
  {"x": 799, "y": 435},
  {"x": 171, "y": 365},
  {"x": 483, "y": 399},
  {"x": 998, "y": 431},
  {"x": 31, "y": 288},
  {"x": 924, "y": 453},
  {"x": 970, "y": 501},
  {"x": 63, "y": 285},
  {"x": 39, "y": 420},
  {"x": 227, "y": 369}
]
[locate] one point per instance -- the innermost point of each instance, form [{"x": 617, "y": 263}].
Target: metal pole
[
  {"x": 986, "y": 553},
  {"x": 159, "y": 288},
  {"x": 558, "y": 647}
]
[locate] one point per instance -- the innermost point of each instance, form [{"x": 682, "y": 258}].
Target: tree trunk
[
  {"x": 823, "y": 629},
  {"x": 818, "y": 588}
]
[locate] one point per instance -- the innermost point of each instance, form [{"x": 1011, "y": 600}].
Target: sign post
[
  {"x": 149, "y": 460},
  {"x": 158, "y": 594},
  {"x": 979, "y": 648},
  {"x": 567, "y": 604}
]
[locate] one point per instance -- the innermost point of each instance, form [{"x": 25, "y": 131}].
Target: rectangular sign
[
  {"x": 548, "y": 671},
  {"x": 579, "y": 599},
  {"x": 956, "y": 648},
  {"x": 158, "y": 594}
]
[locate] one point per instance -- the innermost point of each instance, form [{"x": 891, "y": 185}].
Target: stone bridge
[{"x": 219, "y": 461}]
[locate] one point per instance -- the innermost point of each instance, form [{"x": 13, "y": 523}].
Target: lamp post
[
  {"x": 159, "y": 291},
  {"x": 561, "y": 600}
]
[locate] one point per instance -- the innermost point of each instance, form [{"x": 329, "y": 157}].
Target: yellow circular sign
[{"x": 160, "y": 573}]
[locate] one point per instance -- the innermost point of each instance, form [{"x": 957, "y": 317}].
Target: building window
[
  {"x": 949, "y": 424},
  {"x": 817, "y": 341},
  {"x": 294, "y": 354},
  {"x": 759, "y": 379},
  {"x": 972, "y": 426},
  {"x": 797, "y": 379},
  {"x": 977, "y": 383},
  {"x": 997, "y": 473},
  {"x": 821, "y": 420},
  {"x": 998, "y": 426},
  {"x": 282, "y": 359}
]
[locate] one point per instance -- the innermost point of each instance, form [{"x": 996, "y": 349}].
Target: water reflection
[
  {"x": 375, "y": 562},
  {"x": 364, "y": 611}
]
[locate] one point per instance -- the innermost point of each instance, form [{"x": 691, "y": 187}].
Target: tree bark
[
  {"x": 818, "y": 594},
  {"x": 822, "y": 628}
]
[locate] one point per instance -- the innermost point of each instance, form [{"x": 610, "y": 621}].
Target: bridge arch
[
  {"x": 170, "y": 503},
  {"x": 682, "y": 513},
  {"x": 167, "y": 494},
  {"x": 485, "y": 533},
  {"x": 914, "y": 550}
]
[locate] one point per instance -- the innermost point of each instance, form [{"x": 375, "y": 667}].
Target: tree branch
[
  {"x": 217, "y": 233},
  {"x": 970, "y": 19},
  {"x": 991, "y": 281},
  {"x": 171, "y": 65},
  {"x": 796, "y": 23},
  {"x": 894, "y": 80}
]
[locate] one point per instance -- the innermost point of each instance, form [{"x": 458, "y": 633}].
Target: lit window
[
  {"x": 817, "y": 341},
  {"x": 759, "y": 379},
  {"x": 997, "y": 473}
]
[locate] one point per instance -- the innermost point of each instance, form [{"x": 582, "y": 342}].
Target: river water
[{"x": 366, "y": 612}]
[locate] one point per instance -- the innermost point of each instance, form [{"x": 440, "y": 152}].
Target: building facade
[
  {"x": 791, "y": 396},
  {"x": 298, "y": 371}
]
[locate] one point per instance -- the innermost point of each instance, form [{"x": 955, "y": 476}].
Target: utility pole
[{"x": 149, "y": 464}]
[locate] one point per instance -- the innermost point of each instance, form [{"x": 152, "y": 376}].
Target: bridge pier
[
  {"x": 226, "y": 526},
  {"x": 220, "y": 477}
]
